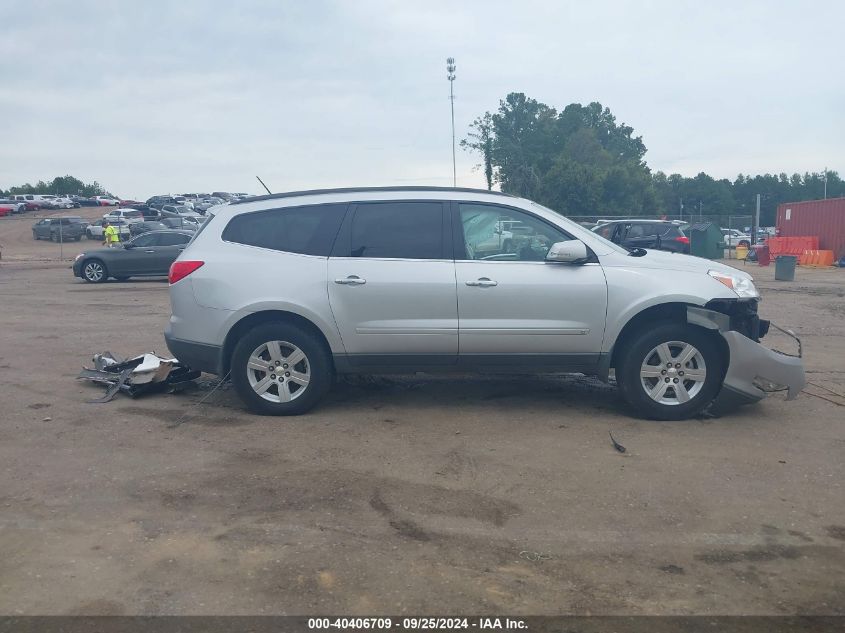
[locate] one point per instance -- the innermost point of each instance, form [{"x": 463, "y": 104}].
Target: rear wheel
[
  {"x": 94, "y": 271},
  {"x": 670, "y": 371},
  {"x": 280, "y": 369}
]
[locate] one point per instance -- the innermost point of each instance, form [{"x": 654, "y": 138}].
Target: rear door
[
  {"x": 391, "y": 282},
  {"x": 168, "y": 247}
]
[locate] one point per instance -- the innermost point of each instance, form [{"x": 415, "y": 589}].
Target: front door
[
  {"x": 138, "y": 259},
  {"x": 513, "y": 306},
  {"x": 391, "y": 284}
]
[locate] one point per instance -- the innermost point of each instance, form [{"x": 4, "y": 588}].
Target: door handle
[
  {"x": 352, "y": 280},
  {"x": 149, "y": 251},
  {"x": 484, "y": 282}
]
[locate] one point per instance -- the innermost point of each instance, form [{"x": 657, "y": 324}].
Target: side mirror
[{"x": 568, "y": 252}]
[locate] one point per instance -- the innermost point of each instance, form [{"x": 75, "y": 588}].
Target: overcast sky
[{"x": 171, "y": 97}]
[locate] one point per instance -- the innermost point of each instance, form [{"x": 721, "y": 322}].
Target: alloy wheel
[
  {"x": 278, "y": 371},
  {"x": 673, "y": 373},
  {"x": 94, "y": 271}
]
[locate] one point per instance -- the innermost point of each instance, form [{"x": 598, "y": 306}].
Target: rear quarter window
[{"x": 307, "y": 230}]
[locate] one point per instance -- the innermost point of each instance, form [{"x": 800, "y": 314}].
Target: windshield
[{"x": 577, "y": 229}]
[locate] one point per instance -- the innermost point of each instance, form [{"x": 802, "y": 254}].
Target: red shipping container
[{"x": 824, "y": 218}]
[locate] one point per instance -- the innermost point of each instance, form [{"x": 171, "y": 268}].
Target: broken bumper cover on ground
[{"x": 753, "y": 369}]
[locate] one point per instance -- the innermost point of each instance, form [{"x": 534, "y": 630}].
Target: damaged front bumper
[{"x": 753, "y": 370}]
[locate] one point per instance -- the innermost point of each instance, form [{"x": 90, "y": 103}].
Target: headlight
[{"x": 742, "y": 286}]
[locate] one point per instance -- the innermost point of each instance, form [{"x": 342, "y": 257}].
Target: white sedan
[{"x": 734, "y": 237}]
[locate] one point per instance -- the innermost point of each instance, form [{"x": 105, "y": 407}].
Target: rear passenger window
[
  {"x": 307, "y": 230},
  {"x": 402, "y": 230},
  {"x": 172, "y": 239}
]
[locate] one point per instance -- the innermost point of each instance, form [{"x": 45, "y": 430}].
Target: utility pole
[
  {"x": 450, "y": 70},
  {"x": 825, "y": 183},
  {"x": 756, "y": 221},
  {"x": 681, "y": 208}
]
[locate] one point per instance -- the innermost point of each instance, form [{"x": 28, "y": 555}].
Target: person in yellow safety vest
[{"x": 111, "y": 237}]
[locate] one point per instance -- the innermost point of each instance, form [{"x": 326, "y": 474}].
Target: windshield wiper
[{"x": 637, "y": 252}]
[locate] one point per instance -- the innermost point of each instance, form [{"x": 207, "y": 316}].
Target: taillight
[
  {"x": 180, "y": 270},
  {"x": 682, "y": 239}
]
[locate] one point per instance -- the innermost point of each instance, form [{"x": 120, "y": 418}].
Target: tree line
[
  {"x": 581, "y": 162},
  {"x": 60, "y": 186}
]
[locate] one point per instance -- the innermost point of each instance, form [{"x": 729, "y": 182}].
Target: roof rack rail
[{"x": 314, "y": 192}]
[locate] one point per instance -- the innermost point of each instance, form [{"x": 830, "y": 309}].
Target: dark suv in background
[
  {"x": 656, "y": 234},
  {"x": 59, "y": 229}
]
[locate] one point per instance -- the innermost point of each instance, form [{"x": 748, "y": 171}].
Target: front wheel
[
  {"x": 280, "y": 369},
  {"x": 94, "y": 271},
  {"x": 670, "y": 371}
]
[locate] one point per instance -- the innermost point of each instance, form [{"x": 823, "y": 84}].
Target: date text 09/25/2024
[{"x": 417, "y": 623}]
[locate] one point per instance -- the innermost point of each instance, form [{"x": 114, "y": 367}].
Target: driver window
[{"x": 500, "y": 234}]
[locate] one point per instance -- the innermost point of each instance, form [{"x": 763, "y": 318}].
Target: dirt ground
[{"x": 401, "y": 495}]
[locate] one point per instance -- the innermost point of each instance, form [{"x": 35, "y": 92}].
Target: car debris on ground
[{"x": 137, "y": 376}]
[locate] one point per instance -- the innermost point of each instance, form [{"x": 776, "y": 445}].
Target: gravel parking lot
[{"x": 415, "y": 494}]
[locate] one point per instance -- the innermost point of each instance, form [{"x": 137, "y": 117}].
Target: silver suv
[{"x": 281, "y": 292}]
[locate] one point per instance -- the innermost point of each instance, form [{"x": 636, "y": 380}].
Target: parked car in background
[
  {"x": 156, "y": 202},
  {"x": 186, "y": 223},
  {"x": 94, "y": 231},
  {"x": 734, "y": 238},
  {"x": 8, "y": 206},
  {"x": 655, "y": 234},
  {"x": 390, "y": 280},
  {"x": 106, "y": 201},
  {"x": 149, "y": 213},
  {"x": 65, "y": 229},
  {"x": 130, "y": 215},
  {"x": 129, "y": 203},
  {"x": 35, "y": 201},
  {"x": 83, "y": 201},
  {"x": 136, "y": 228},
  {"x": 173, "y": 210},
  {"x": 204, "y": 204},
  {"x": 148, "y": 254}
]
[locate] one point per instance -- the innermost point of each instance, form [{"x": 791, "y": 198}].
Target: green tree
[{"x": 480, "y": 139}]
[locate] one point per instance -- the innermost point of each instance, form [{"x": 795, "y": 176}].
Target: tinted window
[
  {"x": 308, "y": 230},
  {"x": 406, "y": 230},
  {"x": 147, "y": 239},
  {"x": 501, "y": 234},
  {"x": 605, "y": 230},
  {"x": 172, "y": 239}
]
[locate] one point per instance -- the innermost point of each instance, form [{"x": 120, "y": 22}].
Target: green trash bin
[{"x": 785, "y": 267}]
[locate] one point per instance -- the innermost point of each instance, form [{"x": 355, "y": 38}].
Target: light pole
[
  {"x": 450, "y": 70},
  {"x": 825, "y": 183}
]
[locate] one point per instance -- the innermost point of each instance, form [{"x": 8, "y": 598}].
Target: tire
[
  {"x": 94, "y": 271},
  {"x": 35, "y": 236},
  {"x": 315, "y": 366},
  {"x": 77, "y": 238},
  {"x": 645, "y": 348}
]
